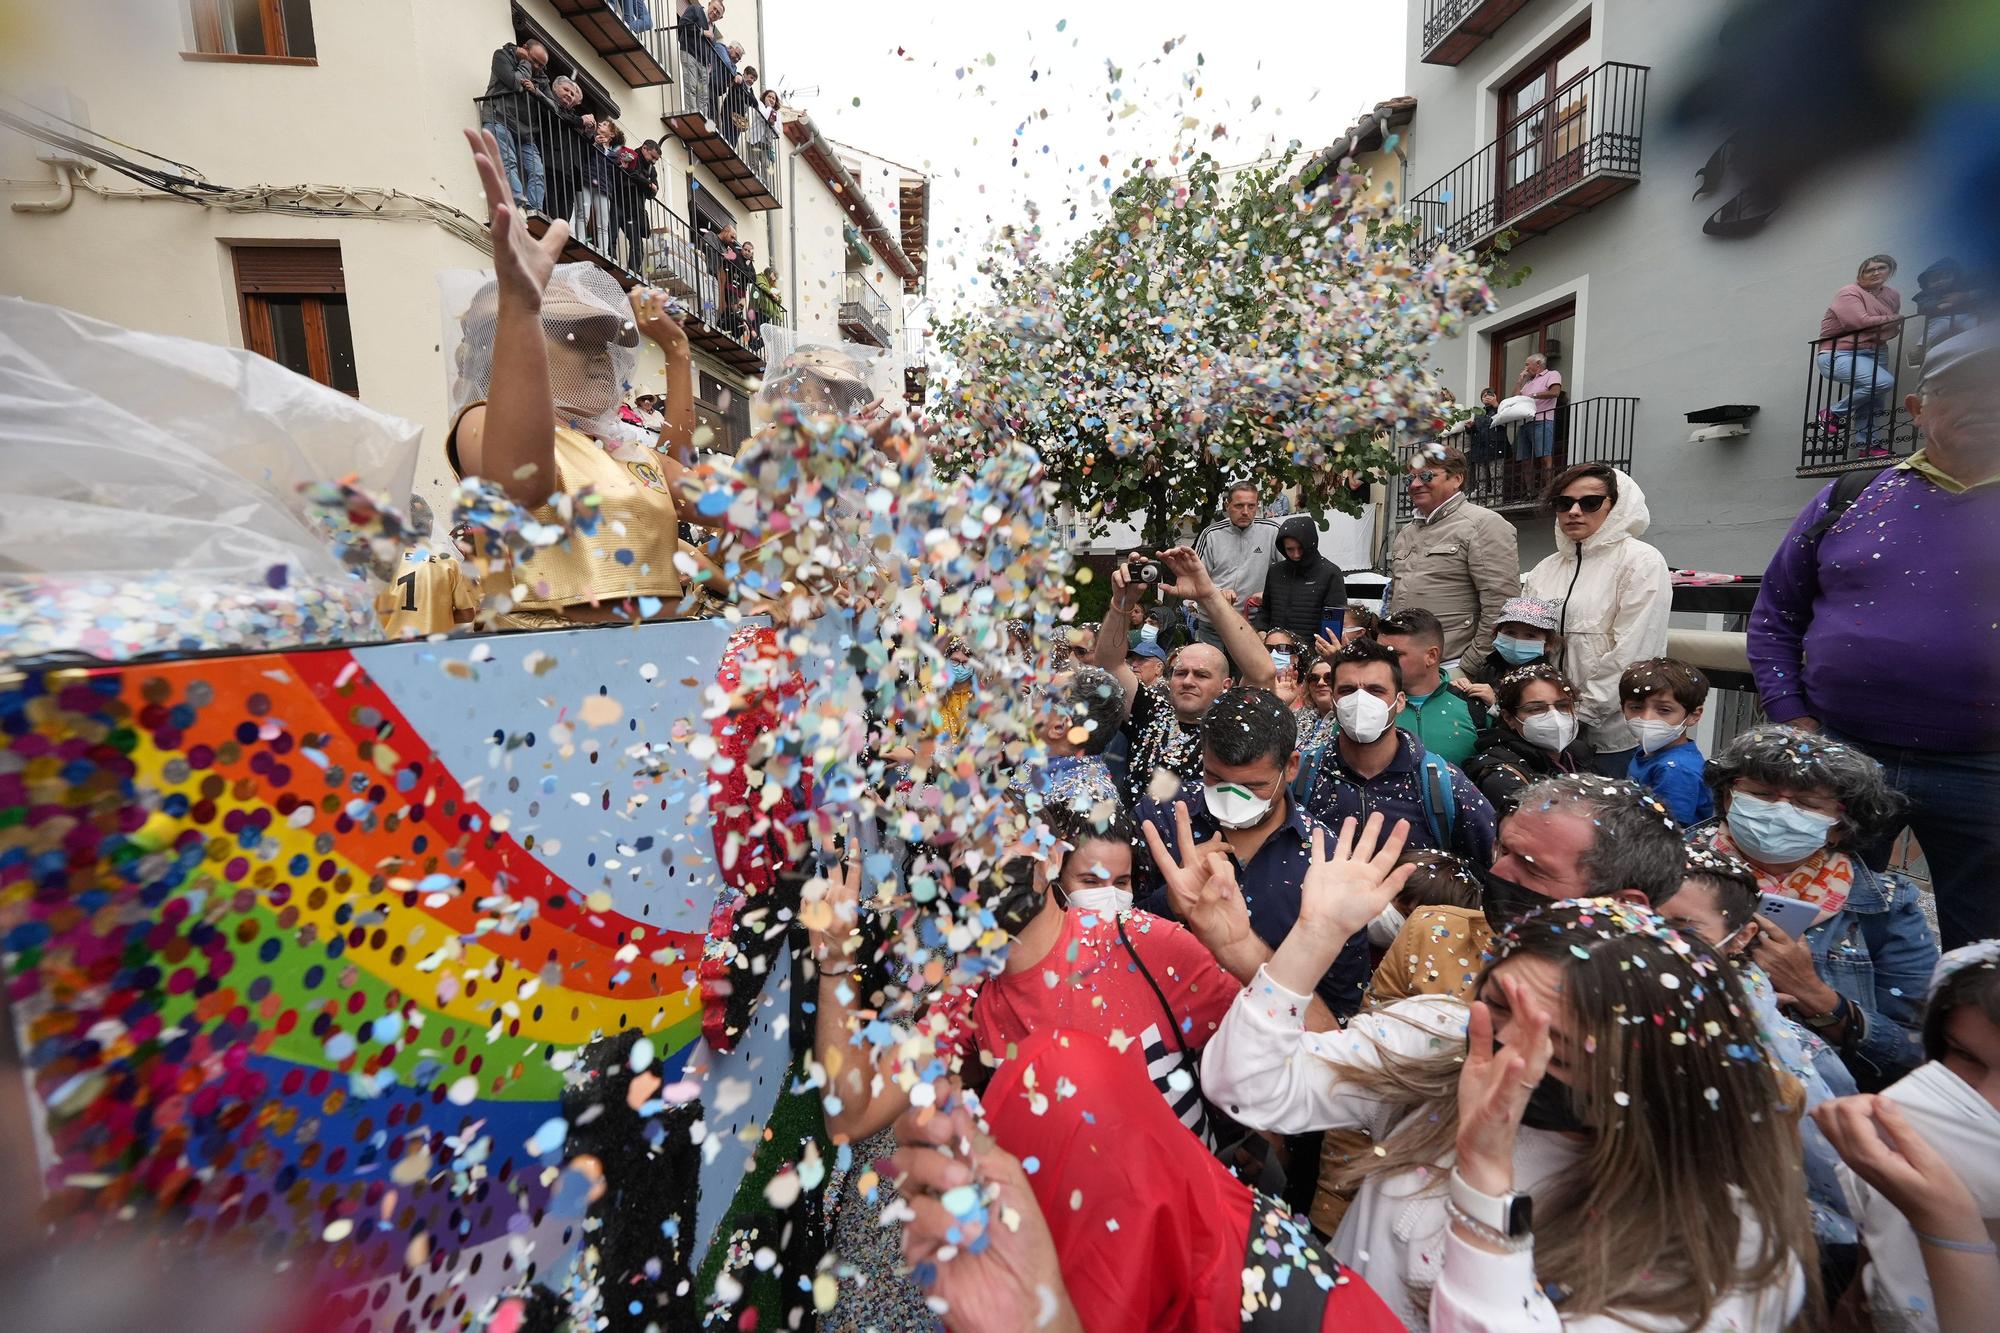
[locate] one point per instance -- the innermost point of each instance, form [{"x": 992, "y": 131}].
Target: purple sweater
[{"x": 1892, "y": 634}]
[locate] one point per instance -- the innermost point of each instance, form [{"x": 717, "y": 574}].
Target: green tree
[{"x": 1209, "y": 329}]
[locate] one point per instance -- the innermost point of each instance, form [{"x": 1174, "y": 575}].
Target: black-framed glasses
[
  {"x": 1589, "y": 504},
  {"x": 1319, "y": 678}
]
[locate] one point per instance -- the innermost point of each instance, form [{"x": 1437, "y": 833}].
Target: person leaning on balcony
[
  {"x": 1455, "y": 559},
  {"x": 1535, "y": 444},
  {"x": 542, "y": 357},
  {"x": 1863, "y": 316},
  {"x": 1614, "y": 597},
  {"x": 691, "y": 29},
  {"x": 1879, "y": 628},
  {"x": 562, "y": 155},
  {"x": 639, "y": 185},
  {"x": 507, "y": 113}
]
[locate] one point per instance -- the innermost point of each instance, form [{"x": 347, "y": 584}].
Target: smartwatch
[{"x": 1508, "y": 1214}]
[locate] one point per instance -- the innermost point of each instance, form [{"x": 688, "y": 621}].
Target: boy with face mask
[{"x": 1662, "y": 700}]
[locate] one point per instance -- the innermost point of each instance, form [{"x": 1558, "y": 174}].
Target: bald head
[{"x": 1196, "y": 676}]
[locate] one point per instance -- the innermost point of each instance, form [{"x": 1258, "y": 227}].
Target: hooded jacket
[
  {"x": 1297, "y": 593},
  {"x": 1615, "y": 597},
  {"x": 1508, "y": 762}
]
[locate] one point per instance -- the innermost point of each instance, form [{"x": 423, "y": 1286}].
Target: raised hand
[
  {"x": 1494, "y": 1086},
  {"x": 830, "y": 909},
  {"x": 1191, "y": 578},
  {"x": 1326, "y": 646},
  {"x": 521, "y": 263},
  {"x": 1884, "y": 1149},
  {"x": 650, "y": 313},
  {"x": 1343, "y": 892},
  {"x": 975, "y": 1231},
  {"x": 1201, "y": 884}
]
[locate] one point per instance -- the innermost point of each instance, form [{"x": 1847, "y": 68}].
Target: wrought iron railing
[
  {"x": 865, "y": 310},
  {"x": 1546, "y": 165},
  {"x": 1443, "y": 19},
  {"x": 731, "y": 115},
  {"x": 1508, "y": 469},
  {"x": 1855, "y": 385},
  {"x": 617, "y": 220}
]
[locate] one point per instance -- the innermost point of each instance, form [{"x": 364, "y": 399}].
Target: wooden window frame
[
  {"x": 1540, "y": 322},
  {"x": 207, "y": 15},
  {"x": 311, "y": 280},
  {"x": 1548, "y": 145}
]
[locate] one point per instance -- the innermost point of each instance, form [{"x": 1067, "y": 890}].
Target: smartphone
[
  {"x": 1330, "y": 621},
  {"x": 1787, "y": 914}
]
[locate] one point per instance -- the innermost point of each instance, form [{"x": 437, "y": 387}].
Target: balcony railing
[
  {"x": 721, "y": 121},
  {"x": 865, "y": 315},
  {"x": 622, "y": 32},
  {"x": 1566, "y": 156},
  {"x": 619, "y": 224},
  {"x": 1855, "y": 385},
  {"x": 1590, "y": 430},
  {"x": 1453, "y": 29}
]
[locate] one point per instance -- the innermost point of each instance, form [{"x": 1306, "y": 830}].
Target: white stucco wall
[
  {"x": 383, "y": 108},
  {"x": 1680, "y": 319}
]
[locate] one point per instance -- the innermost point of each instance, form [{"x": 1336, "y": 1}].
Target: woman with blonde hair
[{"x": 1597, "y": 1142}]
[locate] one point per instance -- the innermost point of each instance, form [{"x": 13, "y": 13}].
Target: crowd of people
[
  {"x": 1478, "y": 961},
  {"x": 563, "y": 161},
  {"x": 1472, "y": 994}
]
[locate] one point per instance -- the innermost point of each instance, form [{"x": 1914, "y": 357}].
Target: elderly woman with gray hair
[{"x": 1790, "y": 804}]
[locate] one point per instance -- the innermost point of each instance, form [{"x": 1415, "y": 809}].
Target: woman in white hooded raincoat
[{"x": 1614, "y": 593}]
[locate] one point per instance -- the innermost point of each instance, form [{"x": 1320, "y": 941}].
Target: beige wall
[{"x": 383, "y": 109}]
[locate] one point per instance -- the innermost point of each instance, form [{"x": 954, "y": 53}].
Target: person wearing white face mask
[
  {"x": 1791, "y": 803},
  {"x": 1229, "y": 852},
  {"x": 1534, "y": 738},
  {"x": 1662, "y": 701},
  {"x": 1374, "y": 765}
]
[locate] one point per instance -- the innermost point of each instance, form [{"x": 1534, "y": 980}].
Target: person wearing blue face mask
[
  {"x": 1791, "y": 805},
  {"x": 1525, "y": 634}
]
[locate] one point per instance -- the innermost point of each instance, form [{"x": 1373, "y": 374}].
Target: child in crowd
[
  {"x": 1662, "y": 700},
  {"x": 1435, "y": 934}
]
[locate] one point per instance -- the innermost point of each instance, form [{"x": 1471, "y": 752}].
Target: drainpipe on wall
[{"x": 792, "y": 225}]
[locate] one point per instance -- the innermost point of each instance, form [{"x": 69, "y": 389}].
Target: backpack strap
[
  {"x": 1847, "y": 488},
  {"x": 1440, "y": 802}
]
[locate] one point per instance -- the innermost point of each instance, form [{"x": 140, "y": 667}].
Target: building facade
[
  {"x": 290, "y": 176},
  {"x": 1546, "y": 126}
]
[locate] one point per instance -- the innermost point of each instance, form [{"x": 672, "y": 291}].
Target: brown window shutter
[{"x": 290, "y": 269}]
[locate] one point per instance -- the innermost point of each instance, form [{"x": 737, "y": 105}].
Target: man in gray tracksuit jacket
[{"x": 1238, "y": 554}]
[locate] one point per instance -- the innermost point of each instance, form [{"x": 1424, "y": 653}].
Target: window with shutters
[
  {"x": 294, "y": 300},
  {"x": 278, "y": 31}
]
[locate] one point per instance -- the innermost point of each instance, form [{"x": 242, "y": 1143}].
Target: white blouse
[{"x": 1269, "y": 1073}]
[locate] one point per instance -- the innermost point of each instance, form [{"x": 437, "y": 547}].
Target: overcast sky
[{"x": 1001, "y": 104}]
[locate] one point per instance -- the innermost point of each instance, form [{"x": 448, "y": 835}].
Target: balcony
[
  {"x": 616, "y": 224},
  {"x": 1590, "y": 430},
  {"x": 623, "y": 34},
  {"x": 1454, "y": 29},
  {"x": 720, "y": 123},
  {"x": 1563, "y": 158},
  {"x": 916, "y": 365},
  {"x": 865, "y": 315},
  {"x": 1857, "y": 420}
]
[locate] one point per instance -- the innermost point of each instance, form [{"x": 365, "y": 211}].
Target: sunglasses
[
  {"x": 1319, "y": 678},
  {"x": 1589, "y": 504},
  {"x": 1428, "y": 475}
]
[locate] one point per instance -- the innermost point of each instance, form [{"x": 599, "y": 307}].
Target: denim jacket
[{"x": 1879, "y": 953}]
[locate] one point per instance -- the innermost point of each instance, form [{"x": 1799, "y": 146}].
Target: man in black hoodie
[{"x": 1303, "y": 585}]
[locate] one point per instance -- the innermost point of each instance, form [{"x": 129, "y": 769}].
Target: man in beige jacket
[{"x": 1455, "y": 559}]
